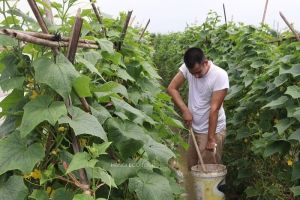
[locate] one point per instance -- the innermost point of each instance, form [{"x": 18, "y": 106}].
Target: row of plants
[
  {"x": 263, "y": 129},
  {"x": 126, "y": 141}
]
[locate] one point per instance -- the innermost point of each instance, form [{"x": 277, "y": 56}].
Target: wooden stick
[
  {"x": 98, "y": 16},
  {"x": 265, "y": 11},
  {"x": 96, "y": 11},
  {"x": 50, "y": 36},
  {"x": 290, "y": 26},
  {"x": 38, "y": 15},
  {"x": 40, "y": 20},
  {"x": 35, "y": 40},
  {"x": 224, "y": 13},
  {"x": 123, "y": 34},
  {"x": 144, "y": 30},
  {"x": 197, "y": 149}
]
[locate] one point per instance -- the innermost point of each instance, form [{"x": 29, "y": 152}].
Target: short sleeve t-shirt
[{"x": 200, "y": 93}]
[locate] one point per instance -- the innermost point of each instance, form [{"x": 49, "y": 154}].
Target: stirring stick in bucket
[{"x": 198, "y": 151}]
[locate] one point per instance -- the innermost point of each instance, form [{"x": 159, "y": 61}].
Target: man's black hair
[{"x": 192, "y": 56}]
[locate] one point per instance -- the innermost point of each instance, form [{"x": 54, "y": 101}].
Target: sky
[{"x": 174, "y": 15}]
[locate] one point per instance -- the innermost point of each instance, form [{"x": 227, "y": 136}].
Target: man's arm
[
  {"x": 216, "y": 102},
  {"x": 173, "y": 90}
]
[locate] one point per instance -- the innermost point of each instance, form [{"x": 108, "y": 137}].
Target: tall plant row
[
  {"x": 263, "y": 117},
  {"x": 127, "y": 139}
]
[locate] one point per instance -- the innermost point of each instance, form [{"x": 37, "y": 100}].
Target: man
[{"x": 208, "y": 85}]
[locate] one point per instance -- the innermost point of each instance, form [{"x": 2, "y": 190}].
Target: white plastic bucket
[{"x": 206, "y": 183}]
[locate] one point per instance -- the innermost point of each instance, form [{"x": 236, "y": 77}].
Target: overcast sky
[{"x": 173, "y": 15}]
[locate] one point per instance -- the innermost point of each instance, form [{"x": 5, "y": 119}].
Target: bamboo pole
[
  {"x": 224, "y": 14},
  {"x": 50, "y": 37},
  {"x": 23, "y": 36},
  {"x": 144, "y": 30},
  {"x": 123, "y": 34},
  {"x": 265, "y": 11},
  {"x": 290, "y": 26}
]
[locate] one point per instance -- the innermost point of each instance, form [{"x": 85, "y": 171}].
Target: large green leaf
[
  {"x": 13, "y": 189},
  {"x": 122, "y": 73},
  {"x": 6, "y": 40},
  {"x": 281, "y": 79},
  {"x": 278, "y": 146},
  {"x": 89, "y": 65},
  {"x": 100, "y": 112},
  {"x": 62, "y": 193},
  {"x": 121, "y": 104},
  {"x": 100, "y": 173},
  {"x": 294, "y": 91},
  {"x": 294, "y": 70},
  {"x": 59, "y": 76},
  {"x": 127, "y": 169},
  {"x": 43, "y": 108},
  {"x": 106, "y": 45},
  {"x": 283, "y": 124},
  {"x": 277, "y": 103},
  {"x": 127, "y": 137},
  {"x": 84, "y": 123},
  {"x": 82, "y": 86},
  {"x": 13, "y": 83},
  {"x": 81, "y": 160},
  {"x": 158, "y": 151},
  {"x": 295, "y": 190},
  {"x": 109, "y": 88},
  {"x": 150, "y": 70},
  {"x": 39, "y": 195},
  {"x": 295, "y": 135},
  {"x": 150, "y": 186},
  {"x": 15, "y": 153},
  {"x": 11, "y": 100},
  {"x": 296, "y": 171}
]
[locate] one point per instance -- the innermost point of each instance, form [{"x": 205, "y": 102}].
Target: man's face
[{"x": 199, "y": 69}]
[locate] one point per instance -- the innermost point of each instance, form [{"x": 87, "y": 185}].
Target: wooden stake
[
  {"x": 74, "y": 37},
  {"x": 224, "y": 13},
  {"x": 123, "y": 34},
  {"x": 290, "y": 26},
  {"x": 144, "y": 30},
  {"x": 265, "y": 11},
  {"x": 71, "y": 56}
]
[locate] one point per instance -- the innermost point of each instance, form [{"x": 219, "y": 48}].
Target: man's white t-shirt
[{"x": 200, "y": 93}]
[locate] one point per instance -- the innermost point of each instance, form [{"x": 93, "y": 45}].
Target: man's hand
[
  {"x": 188, "y": 118},
  {"x": 211, "y": 144}
]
